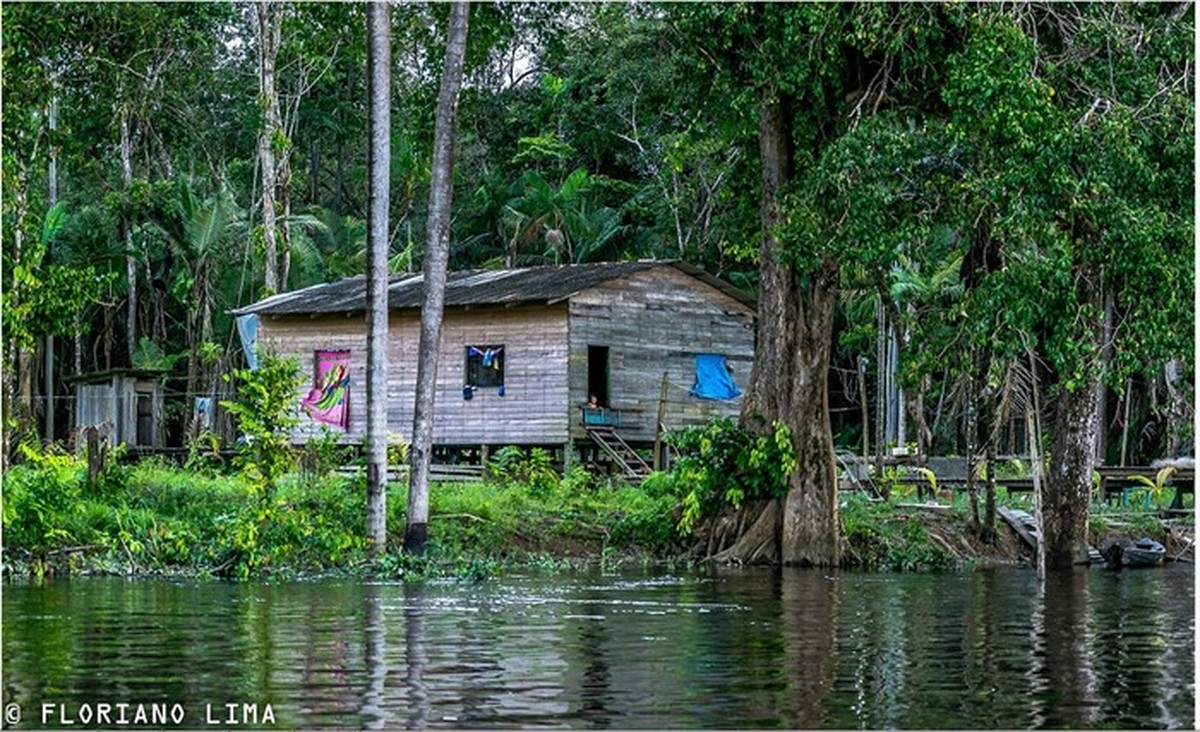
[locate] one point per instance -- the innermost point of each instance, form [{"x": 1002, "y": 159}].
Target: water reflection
[
  {"x": 1066, "y": 640},
  {"x": 734, "y": 648},
  {"x": 596, "y": 687},
  {"x": 809, "y": 604},
  {"x": 374, "y": 641},
  {"x": 415, "y": 657}
]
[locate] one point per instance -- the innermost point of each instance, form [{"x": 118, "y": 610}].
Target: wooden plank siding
[
  {"x": 652, "y": 322},
  {"x": 653, "y": 318},
  {"x": 112, "y": 406},
  {"x": 535, "y": 371}
]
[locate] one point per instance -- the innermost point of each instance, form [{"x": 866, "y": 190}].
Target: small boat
[{"x": 1145, "y": 552}]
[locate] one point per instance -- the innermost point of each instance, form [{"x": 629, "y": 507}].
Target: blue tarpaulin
[
  {"x": 247, "y": 326},
  {"x": 712, "y": 378}
]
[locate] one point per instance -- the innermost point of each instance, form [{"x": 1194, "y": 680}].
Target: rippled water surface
[{"x": 733, "y": 649}]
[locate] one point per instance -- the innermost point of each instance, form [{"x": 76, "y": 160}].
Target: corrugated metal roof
[{"x": 474, "y": 287}]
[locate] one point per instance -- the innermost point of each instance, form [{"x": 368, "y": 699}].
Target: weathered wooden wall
[
  {"x": 112, "y": 407},
  {"x": 652, "y": 322},
  {"x": 96, "y": 405},
  {"x": 531, "y": 411}
]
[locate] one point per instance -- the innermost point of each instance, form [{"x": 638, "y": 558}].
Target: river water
[{"x": 727, "y": 649}]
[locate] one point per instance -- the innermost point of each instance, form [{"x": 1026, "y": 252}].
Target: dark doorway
[
  {"x": 597, "y": 373},
  {"x": 145, "y": 420}
]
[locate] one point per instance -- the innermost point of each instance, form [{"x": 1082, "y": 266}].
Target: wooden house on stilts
[{"x": 656, "y": 343}]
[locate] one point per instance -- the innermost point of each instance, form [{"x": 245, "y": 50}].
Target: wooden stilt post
[
  {"x": 1125, "y": 419},
  {"x": 862, "y": 395},
  {"x": 658, "y": 424}
]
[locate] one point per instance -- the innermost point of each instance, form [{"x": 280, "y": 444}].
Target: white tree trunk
[
  {"x": 437, "y": 255},
  {"x": 130, "y": 259},
  {"x": 51, "y": 199},
  {"x": 269, "y": 16},
  {"x": 379, "y": 76}
]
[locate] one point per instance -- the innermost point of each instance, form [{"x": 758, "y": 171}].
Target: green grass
[{"x": 155, "y": 517}]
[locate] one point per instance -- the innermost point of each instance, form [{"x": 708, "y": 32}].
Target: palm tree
[{"x": 200, "y": 232}]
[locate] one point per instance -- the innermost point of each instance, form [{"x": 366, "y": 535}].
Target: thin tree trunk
[
  {"x": 924, "y": 434},
  {"x": 269, "y": 15},
  {"x": 1125, "y": 419},
  {"x": 972, "y": 431},
  {"x": 51, "y": 199},
  {"x": 866, "y": 411},
  {"x": 987, "y": 531},
  {"x": 193, "y": 362},
  {"x": 1107, "y": 353},
  {"x": 283, "y": 184},
  {"x": 130, "y": 258},
  {"x": 14, "y": 380},
  {"x": 437, "y": 255},
  {"x": 25, "y": 359},
  {"x": 379, "y": 76},
  {"x": 339, "y": 178},
  {"x": 285, "y": 266},
  {"x": 881, "y": 387},
  {"x": 1033, "y": 434}
]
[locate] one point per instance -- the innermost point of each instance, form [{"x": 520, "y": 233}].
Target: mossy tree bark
[
  {"x": 1067, "y": 493},
  {"x": 789, "y": 380}
]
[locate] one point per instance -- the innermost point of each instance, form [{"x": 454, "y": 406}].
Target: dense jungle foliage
[{"x": 998, "y": 198}]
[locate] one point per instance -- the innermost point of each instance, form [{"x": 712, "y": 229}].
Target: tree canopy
[{"x": 1004, "y": 191}]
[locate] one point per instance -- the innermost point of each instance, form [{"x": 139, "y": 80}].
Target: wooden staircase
[{"x": 631, "y": 464}]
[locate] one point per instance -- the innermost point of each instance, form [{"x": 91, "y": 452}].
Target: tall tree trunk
[
  {"x": 881, "y": 387},
  {"x": 1068, "y": 489},
  {"x": 285, "y": 265},
  {"x": 1177, "y": 407},
  {"x": 193, "y": 371},
  {"x": 767, "y": 394},
  {"x": 789, "y": 380},
  {"x": 283, "y": 195},
  {"x": 1033, "y": 435},
  {"x": 51, "y": 199},
  {"x": 127, "y": 229},
  {"x": 987, "y": 531},
  {"x": 437, "y": 256},
  {"x": 379, "y": 154},
  {"x": 14, "y": 381},
  {"x": 972, "y": 431},
  {"x": 269, "y": 16},
  {"x": 811, "y": 527}
]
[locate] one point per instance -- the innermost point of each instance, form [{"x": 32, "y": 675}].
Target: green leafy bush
[
  {"x": 40, "y": 496},
  {"x": 512, "y": 465},
  {"x": 265, "y": 410},
  {"x": 324, "y": 453},
  {"x": 723, "y": 464}
]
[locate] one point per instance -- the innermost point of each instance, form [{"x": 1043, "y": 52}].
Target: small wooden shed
[
  {"x": 523, "y": 349},
  {"x": 125, "y": 405}
]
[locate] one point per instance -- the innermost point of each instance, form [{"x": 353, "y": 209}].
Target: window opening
[{"x": 485, "y": 366}]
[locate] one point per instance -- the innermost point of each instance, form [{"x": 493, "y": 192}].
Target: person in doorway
[{"x": 593, "y": 402}]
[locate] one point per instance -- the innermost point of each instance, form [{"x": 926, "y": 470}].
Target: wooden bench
[{"x": 1119, "y": 482}]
